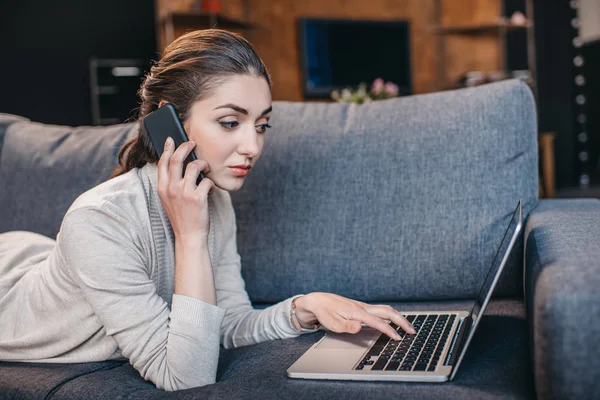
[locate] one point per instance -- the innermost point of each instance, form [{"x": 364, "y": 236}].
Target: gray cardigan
[{"x": 104, "y": 289}]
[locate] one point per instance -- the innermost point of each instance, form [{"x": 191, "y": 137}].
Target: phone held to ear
[{"x": 162, "y": 123}]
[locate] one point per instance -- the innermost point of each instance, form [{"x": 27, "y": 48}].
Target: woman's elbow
[
  {"x": 170, "y": 379},
  {"x": 171, "y": 385}
]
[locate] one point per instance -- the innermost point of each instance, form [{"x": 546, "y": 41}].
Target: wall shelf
[
  {"x": 499, "y": 27},
  {"x": 489, "y": 28},
  {"x": 201, "y": 18}
]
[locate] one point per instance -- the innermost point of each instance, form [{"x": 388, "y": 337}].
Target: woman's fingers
[
  {"x": 192, "y": 171},
  {"x": 206, "y": 187},
  {"x": 176, "y": 160},
  {"x": 388, "y": 312},
  {"x": 375, "y": 322},
  {"x": 163, "y": 165},
  {"x": 346, "y": 315}
]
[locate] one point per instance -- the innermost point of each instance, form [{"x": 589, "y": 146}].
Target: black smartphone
[{"x": 162, "y": 123}]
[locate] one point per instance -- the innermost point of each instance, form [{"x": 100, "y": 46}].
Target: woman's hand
[
  {"x": 339, "y": 314},
  {"x": 185, "y": 203}
]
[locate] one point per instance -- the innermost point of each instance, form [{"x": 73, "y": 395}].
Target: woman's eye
[
  {"x": 229, "y": 124},
  {"x": 263, "y": 127}
]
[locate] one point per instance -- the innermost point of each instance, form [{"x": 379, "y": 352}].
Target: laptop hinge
[{"x": 459, "y": 341}]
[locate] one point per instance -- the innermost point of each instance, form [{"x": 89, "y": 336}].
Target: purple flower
[
  {"x": 377, "y": 86},
  {"x": 391, "y": 89}
]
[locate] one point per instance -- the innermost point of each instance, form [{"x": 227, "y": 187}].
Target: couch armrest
[{"x": 562, "y": 294}]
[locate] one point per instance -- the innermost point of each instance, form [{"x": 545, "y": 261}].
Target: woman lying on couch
[{"x": 145, "y": 266}]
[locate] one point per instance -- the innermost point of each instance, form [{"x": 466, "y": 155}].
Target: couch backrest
[
  {"x": 397, "y": 199},
  {"x": 43, "y": 168},
  {"x": 406, "y": 198}
]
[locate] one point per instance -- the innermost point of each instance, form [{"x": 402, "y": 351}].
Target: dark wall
[
  {"x": 557, "y": 111},
  {"x": 45, "y": 47},
  {"x": 591, "y": 71},
  {"x": 554, "y": 34}
]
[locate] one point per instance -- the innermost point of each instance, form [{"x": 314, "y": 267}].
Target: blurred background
[{"x": 76, "y": 63}]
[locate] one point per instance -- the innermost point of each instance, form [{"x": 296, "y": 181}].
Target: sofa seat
[{"x": 497, "y": 365}]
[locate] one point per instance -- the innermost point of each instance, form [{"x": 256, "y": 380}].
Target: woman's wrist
[
  {"x": 196, "y": 239},
  {"x": 194, "y": 275},
  {"x": 301, "y": 312}
]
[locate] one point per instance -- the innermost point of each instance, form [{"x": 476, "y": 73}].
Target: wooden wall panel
[
  {"x": 470, "y": 52},
  {"x": 464, "y": 12},
  {"x": 275, "y": 35},
  {"x": 276, "y": 39}
]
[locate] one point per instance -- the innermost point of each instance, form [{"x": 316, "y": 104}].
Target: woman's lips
[{"x": 240, "y": 171}]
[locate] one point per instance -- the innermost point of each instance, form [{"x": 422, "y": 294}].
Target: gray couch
[{"x": 400, "y": 201}]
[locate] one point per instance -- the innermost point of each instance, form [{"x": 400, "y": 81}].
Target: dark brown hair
[{"x": 192, "y": 66}]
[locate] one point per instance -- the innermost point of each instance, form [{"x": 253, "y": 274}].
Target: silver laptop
[{"x": 433, "y": 354}]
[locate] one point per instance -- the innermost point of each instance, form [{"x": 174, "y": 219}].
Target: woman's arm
[
  {"x": 193, "y": 269},
  {"x": 243, "y": 325},
  {"x": 175, "y": 349}
]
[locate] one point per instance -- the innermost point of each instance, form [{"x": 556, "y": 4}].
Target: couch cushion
[
  {"x": 40, "y": 380},
  {"x": 497, "y": 365},
  {"x": 406, "y": 198},
  {"x": 43, "y": 168},
  {"x": 563, "y": 302},
  {"x": 5, "y": 121}
]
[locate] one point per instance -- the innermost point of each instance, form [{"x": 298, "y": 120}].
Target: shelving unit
[
  {"x": 112, "y": 88},
  {"x": 169, "y": 20},
  {"x": 500, "y": 27}
]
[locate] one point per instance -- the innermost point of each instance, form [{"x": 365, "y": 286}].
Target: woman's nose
[{"x": 249, "y": 143}]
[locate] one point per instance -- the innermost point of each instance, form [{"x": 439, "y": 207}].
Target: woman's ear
[{"x": 162, "y": 103}]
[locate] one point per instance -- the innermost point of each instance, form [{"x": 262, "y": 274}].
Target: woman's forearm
[{"x": 193, "y": 269}]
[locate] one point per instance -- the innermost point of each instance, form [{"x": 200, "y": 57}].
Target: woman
[{"x": 145, "y": 265}]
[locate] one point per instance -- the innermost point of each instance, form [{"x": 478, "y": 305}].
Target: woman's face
[{"x": 229, "y": 127}]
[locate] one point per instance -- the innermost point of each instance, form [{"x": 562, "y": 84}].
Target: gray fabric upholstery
[
  {"x": 5, "y": 121},
  {"x": 43, "y": 168},
  {"x": 562, "y": 278},
  {"x": 406, "y": 198},
  {"x": 496, "y": 366},
  {"x": 38, "y": 381}
]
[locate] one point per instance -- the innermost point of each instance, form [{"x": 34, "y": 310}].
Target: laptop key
[
  {"x": 383, "y": 339},
  {"x": 373, "y": 353},
  {"x": 392, "y": 366},
  {"x": 420, "y": 367},
  {"x": 378, "y": 366}
]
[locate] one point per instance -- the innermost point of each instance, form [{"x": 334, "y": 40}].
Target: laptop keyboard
[{"x": 418, "y": 352}]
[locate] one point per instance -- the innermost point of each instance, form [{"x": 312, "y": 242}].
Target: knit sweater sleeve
[
  {"x": 243, "y": 325},
  {"x": 175, "y": 349}
]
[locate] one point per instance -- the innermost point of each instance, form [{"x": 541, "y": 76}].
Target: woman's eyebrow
[{"x": 242, "y": 110}]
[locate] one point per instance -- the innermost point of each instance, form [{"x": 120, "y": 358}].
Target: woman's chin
[{"x": 229, "y": 184}]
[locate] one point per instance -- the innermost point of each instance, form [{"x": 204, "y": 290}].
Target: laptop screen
[
  {"x": 498, "y": 259},
  {"x": 510, "y": 236}
]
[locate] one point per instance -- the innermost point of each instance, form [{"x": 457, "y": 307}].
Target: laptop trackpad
[{"x": 343, "y": 341}]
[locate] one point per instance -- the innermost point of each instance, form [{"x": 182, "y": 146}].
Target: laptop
[{"x": 433, "y": 354}]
